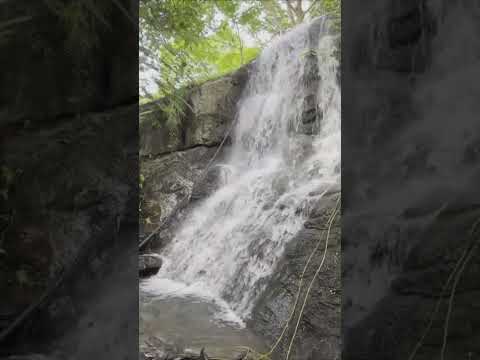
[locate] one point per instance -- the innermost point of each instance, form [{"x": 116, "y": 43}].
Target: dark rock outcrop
[
  {"x": 208, "y": 116},
  {"x": 168, "y": 183},
  {"x": 156, "y": 349},
  {"x": 318, "y": 335},
  {"x": 149, "y": 264},
  {"x": 211, "y": 179},
  {"x": 174, "y": 159}
]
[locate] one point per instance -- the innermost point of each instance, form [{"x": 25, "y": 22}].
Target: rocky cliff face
[
  {"x": 174, "y": 159},
  {"x": 209, "y": 113},
  {"x": 318, "y": 334}
]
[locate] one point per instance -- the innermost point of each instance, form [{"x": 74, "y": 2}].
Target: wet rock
[
  {"x": 242, "y": 356},
  {"x": 203, "y": 356},
  {"x": 318, "y": 336},
  {"x": 214, "y": 106},
  {"x": 169, "y": 181},
  {"x": 176, "y": 176},
  {"x": 174, "y": 156},
  {"x": 156, "y": 349},
  {"x": 298, "y": 148},
  {"x": 280, "y": 184},
  {"x": 311, "y": 116},
  {"x": 149, "y": 264},
  {"x": 208, "y": 183}
]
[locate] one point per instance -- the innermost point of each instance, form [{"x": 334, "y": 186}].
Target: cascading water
[{"x": 285, "y": 156}]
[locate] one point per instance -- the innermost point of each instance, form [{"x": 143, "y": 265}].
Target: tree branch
[{"x": 311, "y": 6}]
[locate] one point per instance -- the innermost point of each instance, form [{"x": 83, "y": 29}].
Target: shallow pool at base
[{"x": 192, "y": 323}]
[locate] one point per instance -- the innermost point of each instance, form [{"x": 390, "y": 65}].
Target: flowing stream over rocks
[{"x": 285, "y": 155}]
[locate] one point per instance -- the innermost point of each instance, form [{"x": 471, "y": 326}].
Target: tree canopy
[{"x": 189, "y": 41}]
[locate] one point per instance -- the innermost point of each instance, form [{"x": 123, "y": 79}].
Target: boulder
[
  {"x": 149, "y": 264},
  {"x": 213, "y": 108},
  {"x": 210, "y": 181},
  {"x": 154, "y": 348}
]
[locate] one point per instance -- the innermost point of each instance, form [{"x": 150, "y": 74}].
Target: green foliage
[
  {"x": 183, "y": 42},
  {"x": 332, "y": 8},
  {"x": 174, "y": 108}
]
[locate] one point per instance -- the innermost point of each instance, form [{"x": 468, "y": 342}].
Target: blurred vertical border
[
  {"x": 69, "y": 179},
  {"x": 410, "y": 175}
]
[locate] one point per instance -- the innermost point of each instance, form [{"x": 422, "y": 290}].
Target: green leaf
[{"x": 190, "y": 41}]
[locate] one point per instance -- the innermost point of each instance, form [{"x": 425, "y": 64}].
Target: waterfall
[{"x": 285, "y": 154}]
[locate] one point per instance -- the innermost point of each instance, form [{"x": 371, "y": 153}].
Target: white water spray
[{"x": 282, "y": 160}]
